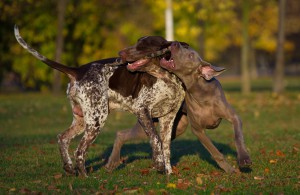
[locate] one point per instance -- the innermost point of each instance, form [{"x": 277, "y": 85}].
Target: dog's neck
[
  {"x": 189, "y": 79},
  {"x": 163, "y": 74},
  {"x": 195, "y": 83}
]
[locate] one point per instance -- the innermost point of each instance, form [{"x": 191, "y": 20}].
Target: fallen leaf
[
  {"x": 57, "y": 176},
  {"x": 185, "y": 168},
  {"x": 258, "y": 177},
  {"x": 222, "y": 188},
  {"x": 175, "y": 170},
  {"x": 131, "y": 190},
  {"x": 295, "y": 150},
  {"x": 12, "y": 189},
  {"x": 256, "y": 113},
  {"x": 273, "y": 161},
  {"x": 262, "y": 151},
  {"x": 199, "y": 180},
  {"x": 151, "y": 192},
  {"x": 202, "y": 188},
  {"x": 102, "y": 187},
  {"x": 163, "y": 191},
  {"x": 25, "y": 191},
  {"x": 280, "y": 153},
  {"x": 195, "y": 164},
  {"x": 144, "y": 171},
  {"x": 215, "y": 173},
  {"x": 267, "y": 170},
  {"x": 52, "y": 187},
  {"x": 114, "y": 190},
  {"x": 171, "y": 185},
  {"x": 70, "y": 187},
  {"x": 183, "y": 184}
]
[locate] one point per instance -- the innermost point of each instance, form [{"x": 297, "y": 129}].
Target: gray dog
[{"x": 205, "y": 101}]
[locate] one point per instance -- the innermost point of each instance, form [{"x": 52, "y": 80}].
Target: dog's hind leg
[
  {"x": 95, "y": 109},
  {"x": 136, "y": 132},
  {"x": 64, "y": 139}
]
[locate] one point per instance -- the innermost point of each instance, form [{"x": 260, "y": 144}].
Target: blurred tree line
[{"x": 76, "y": 32}]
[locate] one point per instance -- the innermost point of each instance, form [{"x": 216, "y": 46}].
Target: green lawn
[{"x": 30, "y": 160}]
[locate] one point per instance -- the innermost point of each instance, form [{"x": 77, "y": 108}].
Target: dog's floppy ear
[{"x": 208, "y": 71}]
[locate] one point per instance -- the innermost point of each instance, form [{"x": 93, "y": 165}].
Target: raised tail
[{"x": 71, "y": 72}]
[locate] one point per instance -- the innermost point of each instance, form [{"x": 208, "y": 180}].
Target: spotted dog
[
  {"x": 97, "y": 88},
  {"x": 150, "y": 46},
  {"x": 205, "y": 103}
]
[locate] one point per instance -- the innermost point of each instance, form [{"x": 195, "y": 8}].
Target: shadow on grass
[{"x": 179, "y": 149}]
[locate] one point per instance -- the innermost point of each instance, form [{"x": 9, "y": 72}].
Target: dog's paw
[
  {"x": 110, "y": 166},
  {"x": 69, "y": 170},
  {"x": 245, "y": 162},
  {"x": 159, "y": 166},
  {"x": 81, "y": 172}
]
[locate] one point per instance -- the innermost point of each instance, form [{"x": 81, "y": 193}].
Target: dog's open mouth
[
  {"x": 168, "y": 62},
  {"x": 161, "y": 54}
]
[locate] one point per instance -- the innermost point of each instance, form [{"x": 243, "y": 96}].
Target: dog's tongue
[
  {"x": 168, "y": 64},
  {"x": 137, "y": 64}
]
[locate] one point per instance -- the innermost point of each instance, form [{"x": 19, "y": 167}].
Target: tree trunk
[
  {"x": 61, "y": 8},
  {"x": 252, "y": 63},
  {"x": 169, "y": 21},
  {"x": 201, "y": 38},
  {"x": 278, "y": 84},
  {"x": 246, "y": 88}
]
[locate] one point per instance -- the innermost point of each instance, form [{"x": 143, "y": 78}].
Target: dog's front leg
[
  {"x": 166, "y": 125},
  {"x": 146, "y": 122},
  {"x": 218, "y": 156},
  {"x": 243, "y": 156}
]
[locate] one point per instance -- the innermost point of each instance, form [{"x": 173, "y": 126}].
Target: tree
[
  {"x": 169, "y": 21},
  {"x": 61, "y": 9},
  {"x": 278, "y": 85},
  {"x": 246, "y": 88}
]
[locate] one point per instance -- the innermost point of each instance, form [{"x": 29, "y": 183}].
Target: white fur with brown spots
[{"x": 100, "y": 86}]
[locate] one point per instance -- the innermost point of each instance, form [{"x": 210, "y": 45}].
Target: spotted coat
[{"x": 97, "y": 88}]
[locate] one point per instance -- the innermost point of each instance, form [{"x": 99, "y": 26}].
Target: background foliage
[{"x": 98, "y": 29}]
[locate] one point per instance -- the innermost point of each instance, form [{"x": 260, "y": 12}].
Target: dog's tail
[{"x": 70, "y": 71}]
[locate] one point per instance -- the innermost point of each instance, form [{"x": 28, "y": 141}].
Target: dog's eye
[{"x": 191, "y": 55}]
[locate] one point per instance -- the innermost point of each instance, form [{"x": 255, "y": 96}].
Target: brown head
[
  {"x": 144, "y": 56},
  {"x": 185, "y": 62}
]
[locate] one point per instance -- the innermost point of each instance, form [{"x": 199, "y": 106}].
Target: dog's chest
[{"x": 159, "y": 99}]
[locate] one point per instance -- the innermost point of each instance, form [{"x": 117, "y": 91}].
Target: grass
[{"x": 30, "y": 161}]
